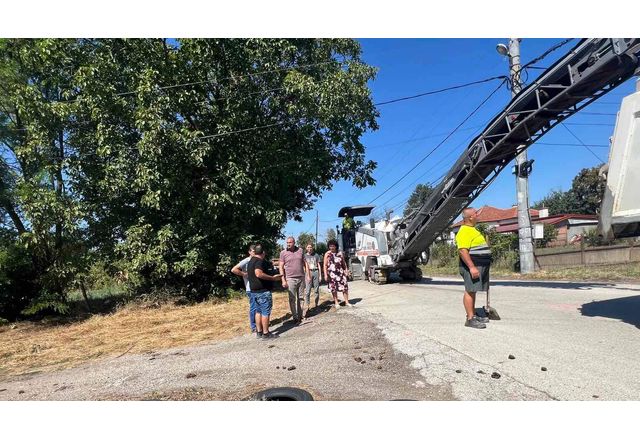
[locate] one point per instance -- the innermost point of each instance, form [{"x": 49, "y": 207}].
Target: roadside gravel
[{"x": 333, "y": 355}]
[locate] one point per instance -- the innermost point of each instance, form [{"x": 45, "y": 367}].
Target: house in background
[
  {"x": 492, "y": 217},
  {"x": 568, "y": 225}
]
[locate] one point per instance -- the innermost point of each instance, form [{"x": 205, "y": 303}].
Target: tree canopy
[
  {"x": 418, "y": 197},
  {"x": 585, "y": 195},
  {"x": 167, "y": 158},
  {"x": 331, "y": 234}
]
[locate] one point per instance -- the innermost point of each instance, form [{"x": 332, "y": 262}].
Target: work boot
[
  {"x": 473, "y": 323},
  {"x": 481, "y": 319}
]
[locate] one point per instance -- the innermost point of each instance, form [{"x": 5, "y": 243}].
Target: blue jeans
[
  {"x": 252, "y": 312},
  {"x": 263, "y": 302}
]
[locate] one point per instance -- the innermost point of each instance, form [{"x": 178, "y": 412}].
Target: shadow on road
[
  {"x": 567, "y": 285},
  {"x": 287, "y": 324},
  {"x": 626, "y": 309}
]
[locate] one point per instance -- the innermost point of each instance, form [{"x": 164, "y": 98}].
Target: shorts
[
  {"x": 473, "y": 285},
  {"x": 262, "y": 302}
]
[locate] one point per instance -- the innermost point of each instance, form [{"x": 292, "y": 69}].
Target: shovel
[{"x": 489, "y": 311}]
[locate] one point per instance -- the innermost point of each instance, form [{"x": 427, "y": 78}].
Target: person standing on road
[
  {"x": 261, "y": 285},
  {"x": 292, "y": 270},
  {"x": 241, "y": 270},
  {"x": 474, "y": 264},
  {"x": 336, "y": 273},
  {"x": 313, "y": 277}
]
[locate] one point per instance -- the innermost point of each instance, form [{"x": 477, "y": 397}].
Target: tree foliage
[
  {"x": 171, "y": 157},
  {"x": 331, "y": 234},
  {"x": 557, "y": 202},
  {"x": 585, "y": 195},
  {"x": 304, "y": 239},
  {"x": 588, "y": 190},
  {"x": 417, "y": 198},
  {"x": 550, "y": 233}
]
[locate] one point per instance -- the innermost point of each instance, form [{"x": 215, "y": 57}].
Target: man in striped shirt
[{"x": 475, "y": 261}]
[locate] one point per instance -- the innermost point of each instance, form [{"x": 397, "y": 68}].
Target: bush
[
  {"x": 593, "y": 239},
  {"x": 18, "y": 287},
  {"x": 550, "y": 234},
  {"x": 509, "y": 260},
  {"x": 443, "y": 254},
  {"x": 501, "y": 244}
]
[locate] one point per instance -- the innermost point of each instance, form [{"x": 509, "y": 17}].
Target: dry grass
[
  {"x": 618, "y": 272},
  {"x": 36, "y": 347}
]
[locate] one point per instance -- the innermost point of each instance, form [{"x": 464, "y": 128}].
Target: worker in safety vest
[{"x": 348, "y": 223}]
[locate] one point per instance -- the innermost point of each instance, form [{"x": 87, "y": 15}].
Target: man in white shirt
[{"x": 241, "y": 270}]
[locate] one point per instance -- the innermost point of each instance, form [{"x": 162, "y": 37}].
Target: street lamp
[{"x": 502, "y": 49}]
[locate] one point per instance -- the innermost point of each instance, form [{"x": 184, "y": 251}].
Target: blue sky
[{"x": 410, "y": 129}]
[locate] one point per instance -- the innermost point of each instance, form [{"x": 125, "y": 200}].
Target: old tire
[{"x": 282, "y": 394}]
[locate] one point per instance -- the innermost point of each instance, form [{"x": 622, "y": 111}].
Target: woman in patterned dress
[{"x": 336, "y": 273}]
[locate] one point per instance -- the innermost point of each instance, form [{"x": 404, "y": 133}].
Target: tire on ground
[{"x": 282, "y": 394}]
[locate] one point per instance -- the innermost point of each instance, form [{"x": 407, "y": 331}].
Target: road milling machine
[{"x": 590, "y": 70}]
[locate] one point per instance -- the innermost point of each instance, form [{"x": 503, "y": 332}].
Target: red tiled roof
[
  {"x": 490, "y": 214},
  {"x": 555, "y": 219}
]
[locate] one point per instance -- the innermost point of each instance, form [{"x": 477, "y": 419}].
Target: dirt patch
[
  {"x": 317, "y": 356},
  {"x": 37, "y": 347}
]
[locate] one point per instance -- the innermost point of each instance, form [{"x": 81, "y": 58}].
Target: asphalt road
[
  {"x": 586, "y": 335},
  {"x": 400, "y": 341}
]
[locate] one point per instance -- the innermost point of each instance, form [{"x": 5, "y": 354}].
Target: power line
[
  {"x": 590, "y": 124},
  {"x": 417, "y": 139},
  {"x": 281, "y": 88},
  {"x": 573, "y": 144},
  {"x": 396, "y": 161},
  {"x": 217, "y": 81},
  {"x": 406, "y": 188},
  {"x": 590, "y": 113},
  {"x": 482, "y": 81},
  {"x": 546, "y": 53},
  {"x": 434, "y": 183},
  {"x": 402, "y": 160},
  {"x": 239, "y": 131},
  {"x": 581, "y": 142},
  {"x": 442, "y": 142}
]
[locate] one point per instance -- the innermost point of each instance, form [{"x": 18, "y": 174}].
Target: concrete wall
[{"x": 615, "y": 254}]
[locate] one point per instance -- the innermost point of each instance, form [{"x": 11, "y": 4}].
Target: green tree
[
  {"x": 331, "y": 234},
  {"x": 585, "y": 195},
  {"x": 304, "y": 239},
  {"x": 173, "y": 158},
  {"x": 588, "y": 190},
  {"x": 417, "y": 198},
  {"x": 557, "y": 202},
  {"x": 321, "y": 248},
  {"x": 44, "y": 213}
]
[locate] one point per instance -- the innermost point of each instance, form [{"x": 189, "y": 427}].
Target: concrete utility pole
[
  {"x": 522, "y": 169},
  {"x": 317, "y": 218}
]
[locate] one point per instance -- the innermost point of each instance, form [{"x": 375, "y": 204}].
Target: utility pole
[
  {"x": 317, "y": 217},
  {"x": 522, "y": 168}
]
